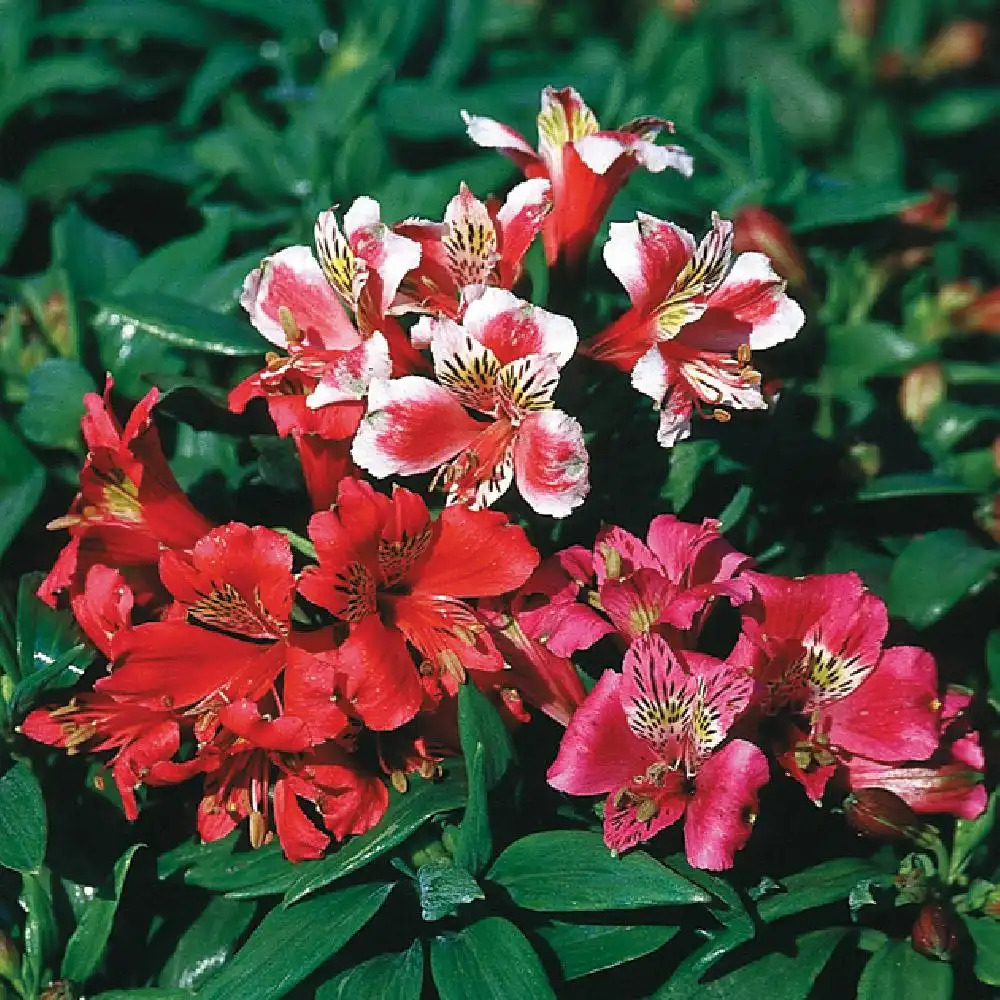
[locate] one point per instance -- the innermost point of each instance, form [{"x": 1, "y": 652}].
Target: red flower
[
  {"x": 755, "y": 229},
  {"x": 129, "y": 507},
  {"x": 654, "y": 738},
  {"x": 398, "y": 578},
  {"x": 696, "y": 315},
  {"x": 586, "y": 167},
  {"x": 475, "y": 246}
]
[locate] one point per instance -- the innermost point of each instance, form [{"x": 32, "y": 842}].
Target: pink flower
[
  {"x": 475, "y": 246},
  {"x": 586, "y": 167},
  {"x": 667, "y": 585},
  {"x": 814, "y": 646},
  {"x": 654, "y": 738},
  {"x": 502, "y": 362},
  {"x": 696, "y": 315}
]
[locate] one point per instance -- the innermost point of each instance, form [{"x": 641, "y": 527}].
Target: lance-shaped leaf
[
  {"x": 388, "y": 977},
  {"x": 22, "y": 820}
]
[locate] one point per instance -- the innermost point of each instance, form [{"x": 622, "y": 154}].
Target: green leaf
[
  {"x": 687, "y": 460},
  {"x": 993, "y": 665},
  {"x": 387, "y": 977},
  {"x": 585, "y": 948},
  {"x": 22, "y": 479},
  {"x": 957, "y": 111},
  {"x": 87, "y": 944},
  {"x": 733, "y": 512},
  {"x": 43, "y": 77},
  {"x": 986, "y": 937},
  {"x": 13, "y": 212},
  {"x": 128, "y": 23},
  {"x": 491, "y": 960},
  {"x": 146, "y": 993},
  {"x": 463, "y": 25},
  {"x": 896, "y": 970},
  {"x": 51, "y": 414},
  {"x": 841, "y": 204},
  {"x": 406, "y": 813},
  {"x": 179, "y": 323},
  {"x": 44, "y": 634},
  {"x": 934, "y": 572},
  {"x": 969, "y": 834},
  {"x": 770, "y": 156},
  {"x": 782, "y": 975},
  {"x": 244, "y": 875},
  {"x": 93, "y": 258},
  {"x": 474, "y": 839},
  {"x": 590, "y": 877},
  {"x": 442, "y": 887},
  {"x": 862, "y": 350},
  {"x": 820, "y": 885},
  {"x": 479, "y": 723},
  {"x": 208, "y": 943},
  {"x": 910, "y": 484},
  {"x": 178, "y": 268},
  {"x": 222, "y": 67},
  {"x": 41, "y": 933},
  {"x": 291, "y": 943},
  {"x": 23, "y": 827}
]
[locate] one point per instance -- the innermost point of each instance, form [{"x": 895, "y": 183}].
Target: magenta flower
[
  {"x": 653, "y": 738},
  {"x": 503, "y": 362},
  {"x": 696, "y": 316}
]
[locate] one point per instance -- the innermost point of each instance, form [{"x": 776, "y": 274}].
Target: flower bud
[
  {"x": 957, "y": 46},
  {"x": 934, "y": 933},
  {"x": 920, "y": 390},
  {"x": 756, "y": 229},
  {"x": 981, "y": 315},
  {"x": 935, "y": 212},
  {"x": 60, "y": 989},
  {"x": 881, "y": 814},
  {"x": 858, "y": 17},
  {"x": 991, "y": 905}
]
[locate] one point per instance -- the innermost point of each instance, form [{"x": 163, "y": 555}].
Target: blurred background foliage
[{"x": 152, "y": 151}]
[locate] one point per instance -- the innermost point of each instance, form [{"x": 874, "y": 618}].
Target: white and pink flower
[
  {"x": 502, "y": 362},
  {"x": 696, "y": 316}
]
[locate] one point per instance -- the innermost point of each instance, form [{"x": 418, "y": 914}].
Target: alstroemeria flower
[
  {"x": 949, "y": 781},
  {"x": 696, "y": 316},
  {"x": 814, "y": 646},
  {"x": 654, "y": 739},
  {"x": 401, "y": 580},
  {"x": 227, "y": 634},
  {"x": 476, "y": 245},
  {"x": 129, "y": 507},
  {"x": 666, "y": 585},
  {"x": 315, "y": 392},
  {"x": 586, "y": 166},
  {"x": 502, "y": 362}
]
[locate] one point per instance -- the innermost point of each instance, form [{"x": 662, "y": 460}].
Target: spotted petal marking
[
  {"x": 225, "y": 608},
  {"x": 698, "y": 280},
  {"x": 469, "y": 371},
  {"x": 121, "y": 495},
  {"x": 819, "y": 677},
  {"x": 470, "y": 241},
  {"x": 395, "y": 559},
  {"x": 355, "y": 587},
  {"x": 483, "y": 473},
  {"x": 528, "y": 384},
  {"x": 346, "y": 272}
]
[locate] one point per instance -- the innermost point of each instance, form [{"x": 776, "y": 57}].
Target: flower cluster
[
  {"x": 296, "y": 685},
  {"x": 809, "y": 684}
]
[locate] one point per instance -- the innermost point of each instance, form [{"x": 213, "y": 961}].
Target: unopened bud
[
  {"x": 935, "y": 933},
  {"x": 881, "y": 814},
  {"x": 991, "y": 905},
  {"x": 58, "y": 990},
  {"x": 757, "y": 230},
  {"x": 935, "y": 212},
  {"x": 958, "y": 45},
  {"x": 858, "y": 17},
  {"x": 981, "y": 315},
  {"x": 920, "y": 390}
]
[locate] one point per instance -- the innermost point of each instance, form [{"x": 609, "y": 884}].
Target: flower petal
[
  {"x": 464, "y": 366},
  {"x": 598, "y": 752},
  {"x": 492, "y": 134},
  {"x": 520, "y": 221},
  {"x": 720, "y": 816},
  {"x": 551, "y": 464},
  {"x": 347, "y": 379},
  {"x": 412, "y": 425},
  {"x": 470, "y": 239},
  {"x": 292, "y": 280},
  {"x": 512, "y": 328},
  {"x": 646, "y": 256}
]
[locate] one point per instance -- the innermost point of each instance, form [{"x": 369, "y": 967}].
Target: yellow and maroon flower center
[
  {"x": 396, "y": 559},
  {"x": 356, "y": 587},
  {"x": 226, "y": 609},
  {"x": 557, "y": 128},
  {"x": 471, "y": 248}
]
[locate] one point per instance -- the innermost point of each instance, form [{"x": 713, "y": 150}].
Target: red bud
[
  {"x": 756, "y": 229},
  {"x": 935, "y": 212},
  {"x": 935, "y": 933},
  {"x": 881, "y": 814},
  {"x": 957, "y": 46},
  {"x": 982, "y": 315}
]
